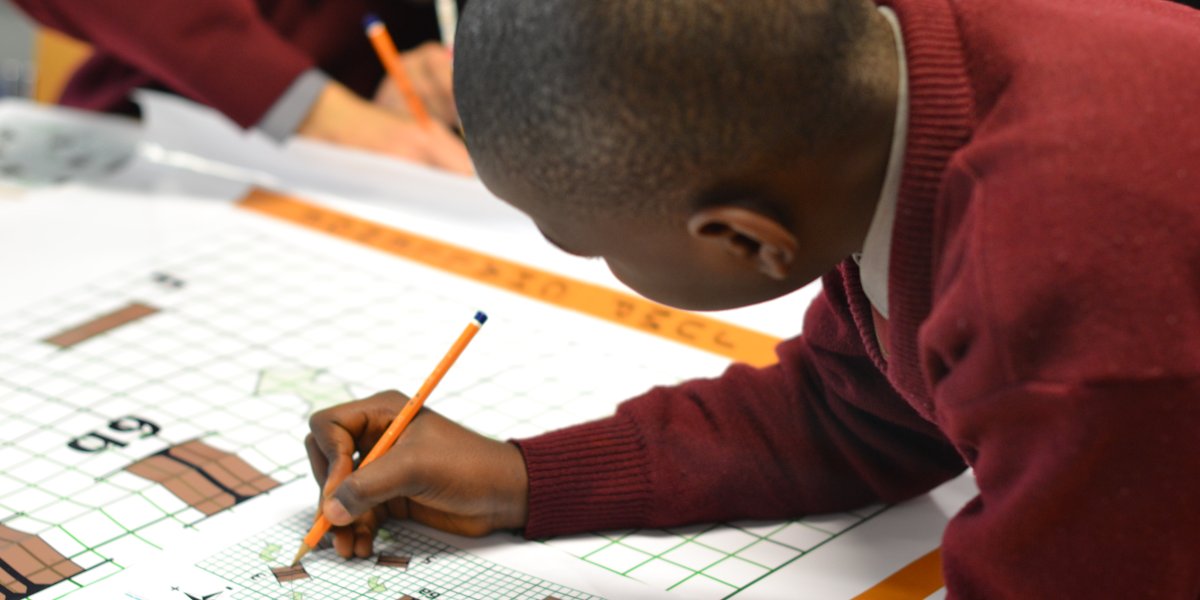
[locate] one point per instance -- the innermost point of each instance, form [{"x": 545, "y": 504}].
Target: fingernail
[{"x": 336, "y": 512}]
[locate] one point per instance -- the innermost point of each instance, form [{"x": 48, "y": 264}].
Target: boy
[{"x": 1001, "y": 196}]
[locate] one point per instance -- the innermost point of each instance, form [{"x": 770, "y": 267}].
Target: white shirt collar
[{"x": 877, "y": 248}]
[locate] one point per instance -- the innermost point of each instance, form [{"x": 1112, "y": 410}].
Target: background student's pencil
[{"x": 381, "y": 40}]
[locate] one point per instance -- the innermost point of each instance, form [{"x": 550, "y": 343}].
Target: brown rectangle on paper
[
  {"x": 206, "y": 478},
  {"x": 30, "y": 564},
  {"x": 289, "y": 573},
  {"x": 185, "y": 483},
  {"x": 101, "y": 324},
  {"x": 393, "y": 560},
  {"x": 228, "y": 470}
]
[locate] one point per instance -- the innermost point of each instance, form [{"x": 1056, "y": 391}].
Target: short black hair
[{"x": 616, "y": 98}]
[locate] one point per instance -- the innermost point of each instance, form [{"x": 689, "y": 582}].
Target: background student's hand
[
  {"x": 438, "y": 473},
  {"x": 341, "y": 117},
  {"x": 429, "y": 68}
]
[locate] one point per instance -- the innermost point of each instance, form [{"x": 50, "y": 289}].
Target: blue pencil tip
[
  {"x": 480, "y": 317},
  {"x": 370, "y": 20}
]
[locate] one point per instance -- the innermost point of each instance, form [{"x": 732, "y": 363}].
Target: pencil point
[
  {"x": 304, "y": 549},
  {"x": 480, "y": 317},
  {"x": 370, "y": 19}
]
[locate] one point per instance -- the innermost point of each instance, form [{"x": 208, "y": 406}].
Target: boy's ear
[{"x": 760, "y": 241}]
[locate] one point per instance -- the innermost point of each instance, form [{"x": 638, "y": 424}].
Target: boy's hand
[
  {"x": 438, "y": 473},
  {"x": 341, "y": 117},
  {"x": 430, "y": 71}
]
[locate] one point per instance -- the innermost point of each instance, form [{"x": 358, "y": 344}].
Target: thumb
[{"x": 371, "y": 485}]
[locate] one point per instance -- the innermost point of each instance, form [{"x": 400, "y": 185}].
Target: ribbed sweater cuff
[{"x": 589, "y": 477}]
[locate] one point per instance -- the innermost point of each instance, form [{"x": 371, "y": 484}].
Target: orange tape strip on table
[
  {"x": 916, "y": 581},
  {"x": 723, "y": 339}
]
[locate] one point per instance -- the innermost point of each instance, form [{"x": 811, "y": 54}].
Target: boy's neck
[{"x": 857, "y": 166}]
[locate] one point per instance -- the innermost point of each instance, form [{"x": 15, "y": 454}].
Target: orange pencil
[
  {"x": 410, "y": 410},
  {"x": 386, "y": 49}
]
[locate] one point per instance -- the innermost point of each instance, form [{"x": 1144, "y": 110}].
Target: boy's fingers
[
  {"x": 421, "y": 83},
  {"x": 316, "y": 460},
  {"x": 439, "y": 69},
  {"x": 335, "y": 446},
  {"x": 435, "y": 146},
  {"x": 364, "y": 539},
  {"x": 334, "y": 430},
  {"x": 387, "y": 478},
  {"x": 429, "y": 67},
  {"x": 343, "y": 542},
  {"x": 338, "y": 433}
]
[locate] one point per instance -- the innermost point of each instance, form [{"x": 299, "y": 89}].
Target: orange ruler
[{"x": 698, "y": 331}]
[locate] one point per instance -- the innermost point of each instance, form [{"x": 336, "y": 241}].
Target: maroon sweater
[
  {"x": 237, "y": 56},
  {"x": 1045, "y": 310}
]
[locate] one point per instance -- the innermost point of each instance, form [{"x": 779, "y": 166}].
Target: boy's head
[{"x": 715, "y": 153}]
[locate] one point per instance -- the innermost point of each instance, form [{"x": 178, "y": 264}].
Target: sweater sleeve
[
  {"x": 218, "y": 52},
  {"x": 820, "y": 431}
]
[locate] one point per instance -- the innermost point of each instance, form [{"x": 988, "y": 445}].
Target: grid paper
[
  {"x": 710, "y": 561},
  {"x": 437, "y": 570},
  {"x": 254, "y": 331}
]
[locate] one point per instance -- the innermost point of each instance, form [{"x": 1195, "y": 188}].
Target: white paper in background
[
  {"x": 185, "y": 133},
  {"x": 43, "y": 147},
  {"x": 55, "y": 238}
]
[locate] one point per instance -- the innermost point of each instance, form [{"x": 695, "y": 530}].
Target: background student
[{"x": 284, "y": 66}]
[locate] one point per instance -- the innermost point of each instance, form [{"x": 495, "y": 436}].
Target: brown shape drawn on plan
[
  {"x": 289, "y": 573},
  {"x": 29, "y": 565},
  {"x": 207, "y": 479},
  {"x": 102, "y": 324},
  {"x": 393, "y": 560}
]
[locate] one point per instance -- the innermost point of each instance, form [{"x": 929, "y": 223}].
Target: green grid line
[{"x": 685, "y": 539}]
